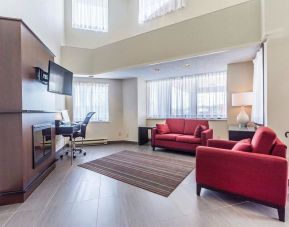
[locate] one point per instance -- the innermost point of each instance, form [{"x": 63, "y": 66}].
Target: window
[
  {"x": 90, "y": 97},
  {"x": 149, "y": 9},
  {"x": 90, "y": 15},
  {"x": 198, "y": 96}
]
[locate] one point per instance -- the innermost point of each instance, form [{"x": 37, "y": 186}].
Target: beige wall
[
  {"x": 231, "y": 27},
  {"x": 276, "y": 30},
  {"x": 130, "y": 109},
  {"x": 123, "y": 21},
  {"x": 112, "y": 130},
  {"x": 240, "y": 79}
]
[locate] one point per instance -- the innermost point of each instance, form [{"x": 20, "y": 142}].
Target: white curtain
[
  {"x": 197, "y": 96},
  {"x": 258, "y": 89},
  {"x": 90, "y": 15},
  {"x": 90, "y": 97},
  {"x": 149, "y": 9}
]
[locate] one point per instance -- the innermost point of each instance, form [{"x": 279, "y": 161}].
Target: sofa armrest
[
  {"x": 224, "y": 144},
  {"x": 154, "y": 132},
  {"x": 206, "y": 135},
  {"x": 256, "y": 176}
]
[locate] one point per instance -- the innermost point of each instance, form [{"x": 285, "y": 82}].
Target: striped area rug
[{"x": 156, "y": 173}]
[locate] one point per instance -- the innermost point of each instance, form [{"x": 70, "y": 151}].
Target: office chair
[
  {"x": 82, "y": 133},
  {"x": 79, "y": 134}
]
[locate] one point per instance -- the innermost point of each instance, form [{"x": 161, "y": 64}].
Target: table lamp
[{"x": 242, "y": 99}]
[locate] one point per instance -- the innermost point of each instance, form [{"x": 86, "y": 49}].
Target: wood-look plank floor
[{"x": 73, "y": 196}]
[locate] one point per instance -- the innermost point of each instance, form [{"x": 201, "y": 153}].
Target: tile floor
[{"x": 73, "y": 196}]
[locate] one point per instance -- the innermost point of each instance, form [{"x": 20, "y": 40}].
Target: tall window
[
  {"x": 90, "y": 97},
  {"x": 149, "y": 9},
  {"x": 90, "y": 15},
  {"x": 198, "y": 96}
]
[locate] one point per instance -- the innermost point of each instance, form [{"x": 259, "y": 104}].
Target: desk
[
  {"x": 237, "y": 134},
  {"x": 143, "y": 136},
  {"x": 67, "y": 130}
]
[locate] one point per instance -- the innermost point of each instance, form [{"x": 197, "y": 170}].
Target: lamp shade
[{"x": 242, "y": 99}]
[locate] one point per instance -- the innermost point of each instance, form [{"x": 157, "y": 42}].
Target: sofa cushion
[
  {"x": 188, "y": 139},
  {"x": 243, "y": 145},
  {"x": 198, "y": 131},
  {"x": 176, "y": 125},
  {"x": 170, "y": 136},
  {"x": 263, "y": 140},
  {"x": 163, "y": 128},
  {"x": 191, "y": 124}
]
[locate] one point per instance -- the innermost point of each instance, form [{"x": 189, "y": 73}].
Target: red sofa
[
  {"x": 181, "y": 136},
  {"x": 260, "y": 175}
]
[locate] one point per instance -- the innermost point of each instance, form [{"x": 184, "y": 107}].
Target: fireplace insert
[{"x": 42, "y": 143}]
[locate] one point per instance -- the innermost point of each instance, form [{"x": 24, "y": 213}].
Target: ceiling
[{"x": 195, "y": 65}]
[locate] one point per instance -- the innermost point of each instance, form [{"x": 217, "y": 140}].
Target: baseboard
[
  {"x": 121, "y": 141},
  {"x": 20, "y": 196}
]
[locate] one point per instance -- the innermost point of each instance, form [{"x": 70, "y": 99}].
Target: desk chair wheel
[
  {"x": 84, "y": 153},
  {"x": 66, "y": 152},
  {"x": 61, "y": 156},
  {"x": 74, "y": 156}
]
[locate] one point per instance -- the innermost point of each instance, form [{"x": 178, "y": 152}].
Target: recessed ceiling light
[
  {"x": 187, "y": 65},
  {"x": 91, "y": 76},
  {"x": 157, "y": 70}
]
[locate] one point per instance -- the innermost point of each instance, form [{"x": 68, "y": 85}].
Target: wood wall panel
[
  {"x": 34, "y": 94},
  {"x": 23, "y": 102},
  {"x": 10, "y": 152},
  {"x": 10, "y": 60}
]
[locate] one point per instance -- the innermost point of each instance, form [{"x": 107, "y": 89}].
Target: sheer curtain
[
  {"x": 90, "y": 15},
  {"x": 88, "y": 97},
  {"x": 198, "y": 96},
  {"x": 258, "y": 89},
  {"x": 149, "y": 9}
]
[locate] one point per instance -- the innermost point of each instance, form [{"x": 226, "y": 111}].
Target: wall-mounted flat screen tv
[{"x": 59, "y": 79}]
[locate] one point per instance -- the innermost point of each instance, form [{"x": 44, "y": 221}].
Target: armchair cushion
[
  {"x": 243, "y": 145},
  {"x": 263, "y": 140},
  {"x": 188, "y": 139},
  {"x": 170, "y": 136},
  {"x": 163, "y": 128}
]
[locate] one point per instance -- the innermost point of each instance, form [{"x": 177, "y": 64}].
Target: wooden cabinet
[
  {"x": 237, "y": 134},
  {"x": 24, "y": 102}
]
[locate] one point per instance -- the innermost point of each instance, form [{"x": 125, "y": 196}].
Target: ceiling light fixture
[{"x": 157, "y": 70}]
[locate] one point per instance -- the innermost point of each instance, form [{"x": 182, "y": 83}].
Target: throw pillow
[
  {"x": 243, "y": 145},
  {"x": 163, "y": 129},
  {"x": 198, "y": 130}
]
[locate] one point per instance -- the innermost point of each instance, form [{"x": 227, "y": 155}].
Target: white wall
[
  {"x": 221, "y": 30},
  {"x": 123, "y": 21},
  {"x": 45, "y": 18}
]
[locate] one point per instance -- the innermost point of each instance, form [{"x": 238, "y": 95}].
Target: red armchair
[
  {"x": 260, "y": 175},
  {"x": 181, "y": 136}
]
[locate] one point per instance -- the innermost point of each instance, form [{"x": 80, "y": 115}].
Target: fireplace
[{"x": 42, "y": 143}]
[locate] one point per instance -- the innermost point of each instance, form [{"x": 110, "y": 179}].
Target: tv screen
[{"x": 59, "y": 79}]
